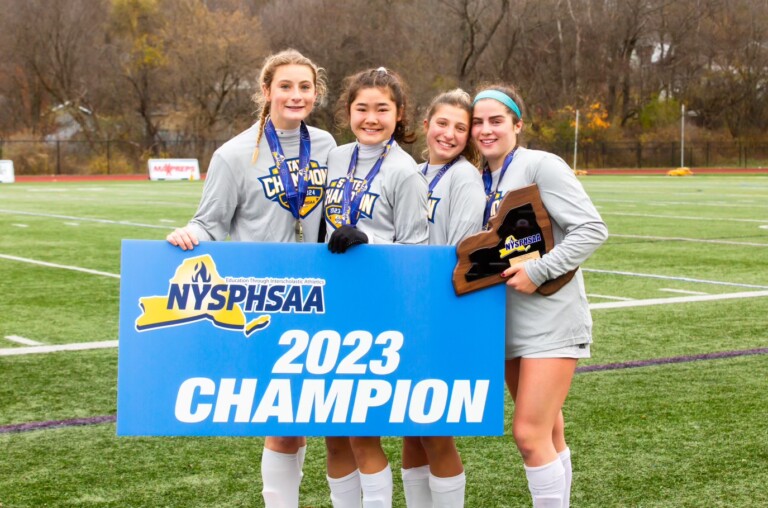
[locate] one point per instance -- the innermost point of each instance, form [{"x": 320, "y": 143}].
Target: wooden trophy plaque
[{"x": 519, "y": 231}]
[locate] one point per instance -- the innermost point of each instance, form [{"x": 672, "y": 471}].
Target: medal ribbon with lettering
[
  {"x": 350, "y": 202},
  {"x": 294, "y": 194},
  {"x": 488, "y": 183},
  {"x": 439, "y": 174}
]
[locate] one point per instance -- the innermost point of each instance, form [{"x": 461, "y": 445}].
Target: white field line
[
  {"x": 682, "y": 291},
  {"x": 667, "y": 277},
  {"x": 137, "y": 192},
  {"x": 695, "y": 240},
  {"x": 620, "y": 298},
  {"x": 124, "y": 201},
  {"x": 679, "y": 299},
  {"x": 23, "y": 340},
  {"x": 595, "y": 306},
  {"x": 681, "y": 217},
  {"x": 82, "y": 346},
  {"x": 83, "y": 219},
  {"x": 20, "y": 225},
  {"x": 55, "y": 265},
  {"x": 684, "y": 203}
]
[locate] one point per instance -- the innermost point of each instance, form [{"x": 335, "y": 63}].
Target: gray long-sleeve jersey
[
  {"x": 457, "y": 203},
  {"x": 537, "y": 323},
  {"x": 393, "y": 209},
  {"x": 247, "y": 201}
]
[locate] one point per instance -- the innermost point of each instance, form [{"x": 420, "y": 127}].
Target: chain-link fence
[
  {"x": 663, "y": 155},
  {"x": 68, "y": 157},
  {"x": 109, "y": 157}
]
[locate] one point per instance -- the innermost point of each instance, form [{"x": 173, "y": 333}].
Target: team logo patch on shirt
[
  {"x": 197, "y": 292},
  {"x": 432, "y": 204},
  {"x": 335, "y": 196},
  {"x": 275, "y": 191},
  {"x": 496, "y": 202}
]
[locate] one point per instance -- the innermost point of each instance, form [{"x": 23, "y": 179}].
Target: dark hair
[
  {"x": 457, "y": 98},
  {"x": 377, "y": 78},
  {"x": 508, "y": 90}
]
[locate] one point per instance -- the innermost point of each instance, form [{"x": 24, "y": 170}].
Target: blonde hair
[
  {"x": 377, "y": 78},
  {"x": 457, "y": 98},
  {"x": 268, "y": 70}
]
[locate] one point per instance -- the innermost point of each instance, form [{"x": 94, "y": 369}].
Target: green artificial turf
[{"x": 674, "y": 435}]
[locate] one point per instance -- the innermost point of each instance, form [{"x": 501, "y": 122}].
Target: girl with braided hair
[{"x": 267, "y": 185}]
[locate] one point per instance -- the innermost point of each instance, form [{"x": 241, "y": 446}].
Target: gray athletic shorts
[{"x": 577, "y": 351}]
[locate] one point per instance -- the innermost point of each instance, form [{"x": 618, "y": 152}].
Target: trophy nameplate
[{"x": 519, "y": 231}]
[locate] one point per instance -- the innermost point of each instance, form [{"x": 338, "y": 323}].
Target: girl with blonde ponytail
[{"x": 267, "y": 185}]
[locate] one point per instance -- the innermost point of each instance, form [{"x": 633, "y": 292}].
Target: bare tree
[
  {"x": 479, "y": 22},
  {"x": 137, "y": 27},
  {"x": 56, "y": 62},
  {"x": 214, "y": 57}
]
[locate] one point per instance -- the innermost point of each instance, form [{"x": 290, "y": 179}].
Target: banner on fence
[
  {"x": 248, "y": 339},
  {"x": 6, "y": 172},
  {"x": 173, "y": 169}
]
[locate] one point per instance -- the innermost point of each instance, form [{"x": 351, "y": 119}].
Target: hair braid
[
  {"x": 262, "y": 121},
  {"x": 271, "y": 63}
]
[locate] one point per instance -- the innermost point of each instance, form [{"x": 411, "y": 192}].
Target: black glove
[{"x": 344, "y": 238}]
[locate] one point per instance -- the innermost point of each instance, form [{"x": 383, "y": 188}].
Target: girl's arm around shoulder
[
  {"x": 322, "y": 143},
  {"x": 409, "y": 199},
  {"x": 467, "y": 202},
  {"x": 340, "y": 155},
  {"x": 571, "y": 208}
]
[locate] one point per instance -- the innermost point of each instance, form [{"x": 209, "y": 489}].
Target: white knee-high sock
[
  {"x": 377, "y": 489},
  {"x": 300, "y": 458},
  {"x": 565, "y": 458},
  {"x": 547, "y": 484},
  {"x": 416, "y": 487},
  {"x": 281, "y": 477},
  {"x": 345, "y": 491},
  {"x": 448, "y": 492}
]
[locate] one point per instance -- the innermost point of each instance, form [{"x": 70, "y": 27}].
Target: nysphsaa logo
[{"x": 197, "y": 292}]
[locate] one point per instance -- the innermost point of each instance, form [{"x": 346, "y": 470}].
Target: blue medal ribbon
[
  {"x": 350, "y": 201},
  {"x": 488, "y": 183},
  {"x": 439, "y": 174},
  {"x": 294, "y": 194}
]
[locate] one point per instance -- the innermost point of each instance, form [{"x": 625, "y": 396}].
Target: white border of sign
[
  {"x": 6, "y": 171},
  {"x": 173, "y": 169}
]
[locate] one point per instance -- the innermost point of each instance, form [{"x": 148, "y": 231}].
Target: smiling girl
[
  {"x": 374, "y": 194},
  {"x": 432, "y": 469},
  {"x": 266, "y": 185},
  {"x": 545, "y": 335}
]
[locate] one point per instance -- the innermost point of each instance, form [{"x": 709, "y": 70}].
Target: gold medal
[{"x": 299, "y": 230}]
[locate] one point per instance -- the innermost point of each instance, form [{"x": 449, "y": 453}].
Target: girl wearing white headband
[{"x": 545, "y": 335}]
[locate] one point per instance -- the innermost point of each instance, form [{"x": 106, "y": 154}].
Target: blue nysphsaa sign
[{"x": 254, "y": 339}]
